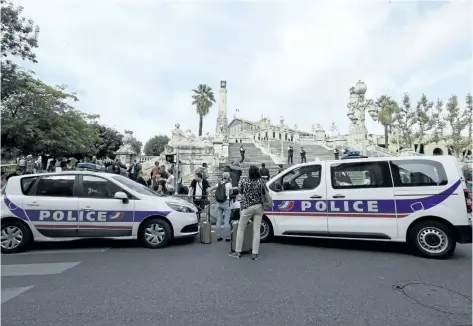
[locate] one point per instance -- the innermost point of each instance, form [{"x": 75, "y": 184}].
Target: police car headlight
[{"x": 180, "y": 207}]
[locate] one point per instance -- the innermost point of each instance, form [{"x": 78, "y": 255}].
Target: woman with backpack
[{"x": 224, "y": 208}]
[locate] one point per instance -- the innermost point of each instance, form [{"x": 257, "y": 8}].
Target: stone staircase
[
  {"x": 253, "y": 156},
  {"x": 312, "y": 151}
]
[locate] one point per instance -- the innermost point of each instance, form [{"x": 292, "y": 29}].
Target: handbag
[{"x": 266, "y": 197}]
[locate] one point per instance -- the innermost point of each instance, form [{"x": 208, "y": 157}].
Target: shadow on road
[
  {"x": 359, "y": 245},
  {"x": 101, "y": 243}
]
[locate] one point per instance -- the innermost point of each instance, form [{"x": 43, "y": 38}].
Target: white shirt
[{"x": 198, "y": 190}]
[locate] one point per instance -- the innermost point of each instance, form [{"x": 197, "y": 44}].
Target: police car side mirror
[{"x": 122, "y": 196}]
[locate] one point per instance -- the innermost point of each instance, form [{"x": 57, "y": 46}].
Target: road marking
[
  {"x": 36, "y": 269},
  {"x": 8, "y": 294},
  {"x": 63, "y": 251}
]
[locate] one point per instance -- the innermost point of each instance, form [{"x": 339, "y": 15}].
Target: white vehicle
[
  {"x": 422, "y": 201},
  {"x": 79, "y": 204}
]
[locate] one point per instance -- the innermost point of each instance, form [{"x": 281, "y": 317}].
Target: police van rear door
[{"x": 360, "y": 198}]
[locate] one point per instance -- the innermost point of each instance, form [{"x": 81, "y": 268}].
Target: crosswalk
[{"x": 17, "y": 267}]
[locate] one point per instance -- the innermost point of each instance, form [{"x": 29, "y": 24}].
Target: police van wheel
[
  {"x": 266, "y": 232},
  {"x": 15, "y": 237},
  {"x": 155, "y": 233},
  {"x": 432, "y": 239}
]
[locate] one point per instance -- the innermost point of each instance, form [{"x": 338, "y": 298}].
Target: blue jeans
[{"x": 223, "y": 213}]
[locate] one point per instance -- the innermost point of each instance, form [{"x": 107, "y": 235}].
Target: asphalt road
[{"x": 294, "y": 283}]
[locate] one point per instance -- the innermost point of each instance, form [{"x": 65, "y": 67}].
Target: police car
[
  {"x": 422, "y": 201},
  {"x": 83, "y": 204}
]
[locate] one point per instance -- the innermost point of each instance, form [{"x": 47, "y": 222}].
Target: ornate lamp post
[
  {"x": 358, "y": 105},
  {"x": 282, "y": 128}
]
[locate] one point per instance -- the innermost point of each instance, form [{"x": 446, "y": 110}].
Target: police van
[
  {"x": 422, "y": 201},
  {"x": 83, "y": 204}
]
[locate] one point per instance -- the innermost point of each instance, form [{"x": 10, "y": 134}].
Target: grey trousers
[{"x": 256, "y": 212}]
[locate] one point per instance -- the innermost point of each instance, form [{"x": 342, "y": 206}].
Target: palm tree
[
  {"x": 203, "y": 99},
  {"x": 387, "y": 110}
]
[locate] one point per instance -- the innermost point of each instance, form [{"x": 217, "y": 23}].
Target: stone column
[{"x": 222, "y": 121}]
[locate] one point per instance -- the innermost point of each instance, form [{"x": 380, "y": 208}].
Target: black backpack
[{"x": 221, "y": 193}]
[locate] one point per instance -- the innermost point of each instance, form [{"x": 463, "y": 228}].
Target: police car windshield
[{"x": 135, "y": 186}]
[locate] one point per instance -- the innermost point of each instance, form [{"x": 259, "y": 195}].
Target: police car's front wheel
[
  {"x": 155, "y": 233},
  {"x": 432, "y": 239},
  {"x": 266, "y": 231},
  {"x": 15, "y": 237}
]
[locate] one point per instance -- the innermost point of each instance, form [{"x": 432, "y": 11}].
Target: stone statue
[{"x": 319, "y": 127}]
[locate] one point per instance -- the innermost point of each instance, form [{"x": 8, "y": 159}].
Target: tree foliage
[
  {"x": 155, "y": 145},
  {"x": 457, "y": 120},
  {"x": 203, "y": 99},
  {"x": 438, "y": 132},
  {"x": 388, "y": 109},
  {"x": 19, "y": 35},
  {"x": 39, "y": 119},
  {"x": 110, "y": 141},
  {"x": 405, "y": 120},
  {"x": 424, "y": 120}
]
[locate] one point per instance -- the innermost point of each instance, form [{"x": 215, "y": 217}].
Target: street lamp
[
  {"x": 282, "y": 129},
  {"x": 358, "y": 105},
  {"x": 313, "y": 131}
]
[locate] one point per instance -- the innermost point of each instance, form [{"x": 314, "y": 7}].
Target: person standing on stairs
[
  {"x": 264, "y": 173},
  {"x": 303, "y": 158},
  {"x": 242, "y": 153},
  {"x": 290, "y": 155}
]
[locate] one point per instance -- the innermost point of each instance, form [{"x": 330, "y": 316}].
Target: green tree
[
  {"x": 439, "y": 123},
  {"x": 155, "y": 145},
  {"x": 457, "y": 120},
  {"x": 405, "y": 119},
  {"x": 388, "y": 109},
  {"x": 38, "y": 119},
  {"x": 203, "y": 99},
  {"x": 424, "y": 121},
  {"x": 19, "y": 35},
  {"x": 110, "y": 141}
]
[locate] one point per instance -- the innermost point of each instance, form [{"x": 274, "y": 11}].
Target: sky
[{"x": 135, "y": 62}]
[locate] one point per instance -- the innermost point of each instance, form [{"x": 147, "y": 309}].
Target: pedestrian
[
  {"x": 203, "y": 170},
  {"x": 170, "y": 182},
  {"x": 222, "y": 196},
  {"x": 264, "y": 173},
  {"x": 30, "y": 164},
  {"x": 252, "y": 190},
  {"x": 303, "y": 155},
  {"x": 467, "y": 174},
  {"x": 198, "y": 191},
  {"x": 154, "y": 174},
  {"x": 336, "y": 153},
  {"x": 133, "y": 171},
  {"x": 290, "y": 155},
  {"x": 22, "y": 164},
  {"x": 242, "y": 153},
  {"x": 141, "y": 179},
  {"x": 235, "y": 173}
]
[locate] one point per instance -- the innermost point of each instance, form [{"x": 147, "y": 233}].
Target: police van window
[
  {"x": 95, "y": 187},
  {"x": 56, "y": 186},
  {"x": 27, "y": 185},
  {"x": 304, "y": 178},
  {"x": 363, "y": 175},
  {"x": 418, "y": 173}
]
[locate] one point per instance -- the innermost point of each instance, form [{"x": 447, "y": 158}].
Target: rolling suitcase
[
  {"x": 247, "y": 245},
  {"x": 206, "y": 229}
]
